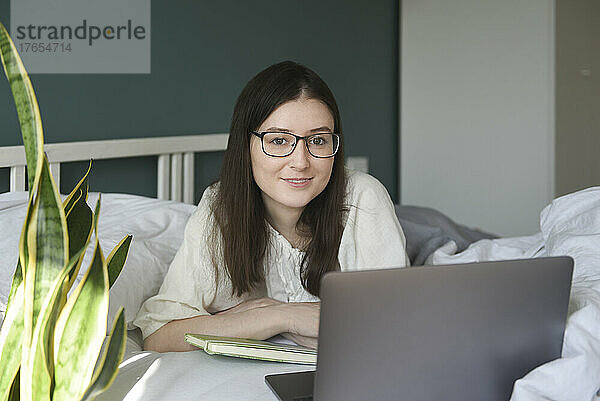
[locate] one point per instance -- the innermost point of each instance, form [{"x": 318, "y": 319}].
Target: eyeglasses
[{"x": 281, "y": 144}]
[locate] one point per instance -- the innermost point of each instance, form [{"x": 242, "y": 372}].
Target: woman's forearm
[{"x": 258, "y": 323}]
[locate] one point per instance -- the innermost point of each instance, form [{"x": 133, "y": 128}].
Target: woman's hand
[
  {"x": 310, "y": 342},
  {"x": 303, "y": 318},
  {"x": 257, "y": 318},
  {"x": 250, "y": 304}
]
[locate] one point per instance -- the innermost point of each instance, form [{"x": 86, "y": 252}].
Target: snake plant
[{"x": 51, "y": 343}]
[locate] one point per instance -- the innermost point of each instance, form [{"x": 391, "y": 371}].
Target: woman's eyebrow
[
  {"x": 321, "y": 129},
  {"x": 277, "y": 129}
]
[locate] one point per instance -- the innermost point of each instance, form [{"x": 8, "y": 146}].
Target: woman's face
[{"x": 289, "y": 183}]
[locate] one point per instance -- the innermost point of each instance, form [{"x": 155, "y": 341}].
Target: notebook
[
  {"x": 456, "y": 332},
  {"x": 253, "y": 349}
]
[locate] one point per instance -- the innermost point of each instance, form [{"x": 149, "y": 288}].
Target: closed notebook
[{"x": 253, "y": 349}]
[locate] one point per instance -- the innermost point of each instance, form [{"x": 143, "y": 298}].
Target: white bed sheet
[
  {"x": 570, "y": 225},
  {"x": 195, "y": 375}
]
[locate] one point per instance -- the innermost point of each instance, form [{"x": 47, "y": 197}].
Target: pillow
[
  {"x": 157, "y": 228},
  {"x": 571, "y": 226}
]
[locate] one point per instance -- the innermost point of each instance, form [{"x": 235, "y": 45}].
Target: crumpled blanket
[
  {"x": 427, "y": 229},
  {"x": 570, "y": 225}
]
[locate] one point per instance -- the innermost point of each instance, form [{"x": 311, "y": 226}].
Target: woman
[{"x": 283, "y": 213}]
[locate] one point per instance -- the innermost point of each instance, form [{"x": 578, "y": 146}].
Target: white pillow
[
  {"x": 157, "y": 228},
  {"x": 571, "y": 226}
]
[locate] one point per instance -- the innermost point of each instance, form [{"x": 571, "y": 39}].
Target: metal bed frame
[{"x": 175, "y": 159}]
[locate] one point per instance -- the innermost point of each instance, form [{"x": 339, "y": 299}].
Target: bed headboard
[{"x": 175, "y": 159}]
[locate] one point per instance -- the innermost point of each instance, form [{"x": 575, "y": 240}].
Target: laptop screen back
[{"x": 459, "y": 332}]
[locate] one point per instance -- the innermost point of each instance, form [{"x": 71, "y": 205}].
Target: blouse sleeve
[
  {"x": 189, "y": 288},
  {"x": 372, "y": 237}
]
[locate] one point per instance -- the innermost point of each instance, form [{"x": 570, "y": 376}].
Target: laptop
[{"x": 456, "y": 332}]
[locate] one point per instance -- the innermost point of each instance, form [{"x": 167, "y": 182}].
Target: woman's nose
[{"x": 300, "y": 157}]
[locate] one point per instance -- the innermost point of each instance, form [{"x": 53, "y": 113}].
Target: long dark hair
[{"x": 241, "y": 233}]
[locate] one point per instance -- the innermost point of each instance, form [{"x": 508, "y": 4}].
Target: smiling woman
[
  {"x": 284, "y": 212},
  {"x": 288, "y": 183}
]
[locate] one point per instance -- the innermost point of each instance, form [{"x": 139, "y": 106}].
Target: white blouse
[{"x": 372, "y": 238}]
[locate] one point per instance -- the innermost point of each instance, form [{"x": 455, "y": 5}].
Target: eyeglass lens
[{"x": 282, "y": 144}]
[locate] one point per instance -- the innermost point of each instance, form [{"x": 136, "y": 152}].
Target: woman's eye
[
  {"x": 278, "y": 141},
  {"x": 318, "y": 140}
]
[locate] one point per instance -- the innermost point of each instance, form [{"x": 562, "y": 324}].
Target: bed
[{"x": 570, "y": 225}]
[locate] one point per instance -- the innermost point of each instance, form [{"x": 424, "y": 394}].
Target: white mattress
[{"x": 152, "y": 376}]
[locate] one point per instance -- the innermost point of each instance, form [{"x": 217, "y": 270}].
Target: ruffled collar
[{"x": 283, "y": 241}]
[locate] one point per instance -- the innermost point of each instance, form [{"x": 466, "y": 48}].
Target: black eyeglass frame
[{"x": 305, "y": 138}]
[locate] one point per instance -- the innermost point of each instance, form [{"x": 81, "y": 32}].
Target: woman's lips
[{"x": 297, "y": 182}]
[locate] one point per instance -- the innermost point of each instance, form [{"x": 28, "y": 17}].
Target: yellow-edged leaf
[
  {"x": 13, "y": 348},
  {"x": 29, "y": 341},
  {"x": 48, "y": 254},
  {"x": 12, "y": 331},
  {"x": 43, "y": 357},
  {"x": 51, "y": 237},
  {"x": 111, "y": 359},
  {"x": 81, "y": 329},
  {"x": 117, "y": 258},
  {"x": 17, "y": 279},
  {"x": 33, "y": 141},
  {"x": 11, "y": 340},
  {"x": 14, "y": 391},
  {"x": 82, "y": 186},
  {"x": 79, "y": 225},
  {"x": 26, "y": 104}
]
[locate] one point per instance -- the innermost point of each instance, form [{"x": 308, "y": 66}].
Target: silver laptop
[{"x": 457, "y": 332}]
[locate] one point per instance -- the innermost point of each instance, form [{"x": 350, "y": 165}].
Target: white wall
[{"x": 477, "y": 110}]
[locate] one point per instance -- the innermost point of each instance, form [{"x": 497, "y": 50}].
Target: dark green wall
[{"x": 203, "y": 53}]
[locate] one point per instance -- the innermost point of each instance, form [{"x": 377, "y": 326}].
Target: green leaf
[
  {"x": 117, "y": 258},
  {"x": 48, "y": 255},
  {"x": 79, "y": 226},
  {"x": 81, "y": 329},
  {"x": 23, "y": 248},
  {"x": 82, "y": 186},
  {"x": 11, "y": 340},
  {"x": 26, "y": 104},
  {"x": 44, "y": 347},
  {"x": 111, "y": 359},
  {"x": 17, "y": 279},
  {"x": 50, "y": 238},
  {"x": 11, "y": 335},
  {"x": 12, "y": 330},
  {"x": 31, "y": 128},
  {"x": 42, "y": 363},
  {"x": 79, "y": 220},
  {"x": 14, "y": 391}
]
